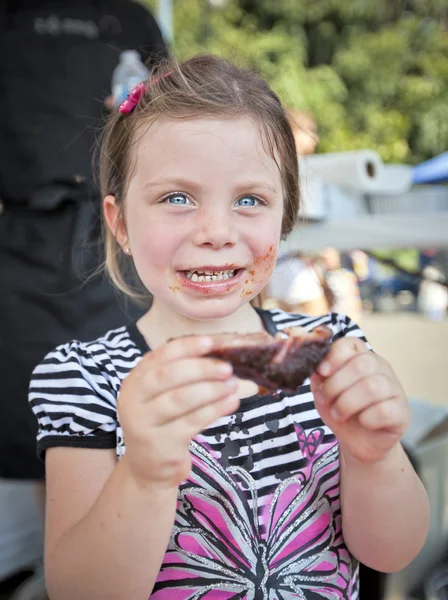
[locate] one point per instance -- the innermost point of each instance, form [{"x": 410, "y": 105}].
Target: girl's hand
[
  {"x": 360, "y": 399},
  {"x": 172, "y": 395}
]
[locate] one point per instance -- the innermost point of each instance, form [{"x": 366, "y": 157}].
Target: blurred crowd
[{"x": 355, "y": 282}]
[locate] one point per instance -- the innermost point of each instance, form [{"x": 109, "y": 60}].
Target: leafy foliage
[{"x": 375, "y": 74}]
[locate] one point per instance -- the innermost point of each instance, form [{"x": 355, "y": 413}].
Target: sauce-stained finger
[{"x": 341, "y": 352}]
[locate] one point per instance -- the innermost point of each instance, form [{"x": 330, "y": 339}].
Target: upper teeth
[{"x": 209, "y": 275}]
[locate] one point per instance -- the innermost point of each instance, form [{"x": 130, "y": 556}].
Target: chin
[{"x": 210, "y": 310}]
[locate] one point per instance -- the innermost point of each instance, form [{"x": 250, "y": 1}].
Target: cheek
[
  {"x": 153, "y": 244},
  {"x": 264, "y": 251},
  {"x": 264, "y": 263}
]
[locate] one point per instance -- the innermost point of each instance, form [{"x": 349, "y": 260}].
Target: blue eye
[
  {"x": 248, "y": 201},
  {"x": 177, "y": 199}
]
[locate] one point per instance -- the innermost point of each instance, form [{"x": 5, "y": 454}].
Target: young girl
[{"x": 168, "y": 477}]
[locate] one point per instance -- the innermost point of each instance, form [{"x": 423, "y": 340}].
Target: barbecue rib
[{"x": 275, "y": 363}]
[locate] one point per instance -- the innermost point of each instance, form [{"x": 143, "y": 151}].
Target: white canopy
[
  {"x": 371, "y": 231},
  {"x": 346, "y": 218}
]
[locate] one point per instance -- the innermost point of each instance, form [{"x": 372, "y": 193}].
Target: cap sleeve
[
  {"x": 73, "y": 398},
  {"x": 345, "y": 327}
]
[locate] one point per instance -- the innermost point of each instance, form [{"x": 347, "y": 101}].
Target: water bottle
[{"x": 129, "y": 72}]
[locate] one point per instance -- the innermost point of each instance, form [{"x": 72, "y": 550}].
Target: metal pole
[{"x": 165, "y": 18}]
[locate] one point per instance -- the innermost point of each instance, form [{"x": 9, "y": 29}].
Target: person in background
[
  {"x": 432, "y": 290},
  {"x": 305, "y": 130},
  {"x": 56, "y": 65},
  {"x": 295, "y": 285},
  {"x": 361, "y": 264},
  {"x": 433, "y": 294},
  {"x": 342, "y": 284}
]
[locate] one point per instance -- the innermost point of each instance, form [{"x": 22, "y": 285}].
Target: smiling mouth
[{"x": 204, "y": 276}]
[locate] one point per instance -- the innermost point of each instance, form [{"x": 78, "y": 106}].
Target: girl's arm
[
  {"x": 385, "y": 513},
  {"x": 106, "y": 534},
  {"x": 109, "y": 524}
]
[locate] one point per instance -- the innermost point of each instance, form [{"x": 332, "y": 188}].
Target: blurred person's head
[
  {"x": 432, "y": 273},
  {"x": 360, "y": 262},
  {"x": 304, "y": 128},
  {"x": 331, "y": 258}
]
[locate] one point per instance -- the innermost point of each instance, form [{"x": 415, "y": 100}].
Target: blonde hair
[{"x": 203, "y": 86}]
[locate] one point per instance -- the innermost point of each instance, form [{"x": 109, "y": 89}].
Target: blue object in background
[{"x": 434, "y": 170}]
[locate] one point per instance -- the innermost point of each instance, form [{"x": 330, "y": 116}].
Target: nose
[{"x": 215, "y": 229}]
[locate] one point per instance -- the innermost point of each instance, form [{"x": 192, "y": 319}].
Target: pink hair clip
[{"x": 128, "y": 105}]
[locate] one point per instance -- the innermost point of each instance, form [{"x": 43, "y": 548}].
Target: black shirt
[{"x": 56, "y": 65}]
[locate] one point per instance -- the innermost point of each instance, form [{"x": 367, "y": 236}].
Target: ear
[{"x": 114, "y": 220}]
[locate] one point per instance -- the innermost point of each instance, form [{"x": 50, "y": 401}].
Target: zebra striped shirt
[{"x": 270, "y": 468}]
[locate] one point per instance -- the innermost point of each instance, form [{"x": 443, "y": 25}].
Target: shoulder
[
  {"x": 73, "y": 391},
  {"x": 138, "y": 10},
  {"x": 144, "y": 31},
  {"x": 135, "y": 14},
  {"x": 133, "y": 7},
  {"x": 106, "y": 359},
  {"x": 341, "y": 325}
]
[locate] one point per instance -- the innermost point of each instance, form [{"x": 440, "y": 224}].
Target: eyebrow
[
  {"x": 179, "y": 182},
  {"x": 183, "y": 183},
  {"x": 257, "y": 184}
]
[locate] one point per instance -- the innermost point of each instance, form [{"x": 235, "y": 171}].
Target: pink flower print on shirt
[{"x": 217, "y": 550}]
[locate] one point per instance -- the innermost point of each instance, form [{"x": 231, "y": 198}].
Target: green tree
[{"x": 374, "y": 73}]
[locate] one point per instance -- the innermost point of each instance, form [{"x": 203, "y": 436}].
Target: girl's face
[{"x": 203, "y": 215}]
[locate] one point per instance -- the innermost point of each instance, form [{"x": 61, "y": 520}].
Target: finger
[
  {"x": 180, "y": 402},
  {"x": 340, "y": 352},
  {"x": 389, "y": 414},
  {"x": 183, "y": 347},
  {"x": 161, "y": 377},
  {"x": 316, "y": 382},
  {"x": 197, "y": 421},
  {"x": 359, "y": 366},
  {"x": 364, "y": 393}
]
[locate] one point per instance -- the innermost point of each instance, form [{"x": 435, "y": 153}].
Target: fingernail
[
  {"x": 324, "y": 368},
  {"x": 206, "y": 343},
  {"x": 232, "y": 382},
  {"x": 225, "y": 368}
]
